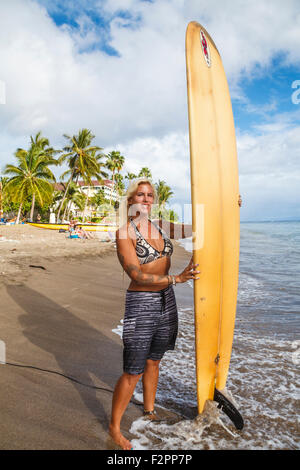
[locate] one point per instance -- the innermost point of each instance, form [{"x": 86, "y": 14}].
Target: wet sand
[{"x": 60, "y": 319}]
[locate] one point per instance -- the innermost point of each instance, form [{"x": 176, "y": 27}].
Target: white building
[{"x": 91, "y": 190}]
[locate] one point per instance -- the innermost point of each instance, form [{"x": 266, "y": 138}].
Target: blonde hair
[{"x": 131, "y": 190}]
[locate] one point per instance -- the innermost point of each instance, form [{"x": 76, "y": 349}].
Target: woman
[{"x": 150, "y": 323}]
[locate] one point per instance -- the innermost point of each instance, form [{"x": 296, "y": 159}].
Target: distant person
[
  {"x": 38, "y": 218},
  {"x": 80, "y": 232},
  {"x": 84, "y": 234},
  {"x": 71, "y": 226}
]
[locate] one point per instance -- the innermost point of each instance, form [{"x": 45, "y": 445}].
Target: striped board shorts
[{"x": 150, "y": 327}]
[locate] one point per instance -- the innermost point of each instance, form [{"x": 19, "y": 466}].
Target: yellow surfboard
[{"x": 215, "y": 210}]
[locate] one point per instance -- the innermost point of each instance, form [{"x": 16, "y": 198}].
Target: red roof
[
  {"x": 95, "y": 183},
  {"x": 62, "y": 186}
]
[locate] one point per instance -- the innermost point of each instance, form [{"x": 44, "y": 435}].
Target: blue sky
[
  {"x": 118, "y": 68},
  {"x": 267, "y": 95}
]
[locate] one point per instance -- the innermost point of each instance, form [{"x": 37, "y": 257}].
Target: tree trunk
[
  {"x": 19, "y": 213},
  {"x": 32, "y": 207},
  {"x": 85, "y": 204},
  {"x": 112, "y": 187},
  {"x": 69, "y": 210},
  {"x": 64, "y": 196},
  {"x": 1, "y": 199},
  {"x": 65, "y": 211}
]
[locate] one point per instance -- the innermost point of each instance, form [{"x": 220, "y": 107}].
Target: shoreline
[{"x": 61, "y": 319}]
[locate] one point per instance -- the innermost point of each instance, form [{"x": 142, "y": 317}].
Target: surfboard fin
[{"x": 229, "y": 409}]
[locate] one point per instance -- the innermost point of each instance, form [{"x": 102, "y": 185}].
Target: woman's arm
[{"x": 130, "y": 263}]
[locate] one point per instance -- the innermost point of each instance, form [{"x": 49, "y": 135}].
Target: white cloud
[
  {"x": 168, "y": 159},
  {"x": 269, "y": 172},
  {"x": 274, "y": 152},
  {"x": 248, "y": 33},
  {"x": 137, "y": 101}
]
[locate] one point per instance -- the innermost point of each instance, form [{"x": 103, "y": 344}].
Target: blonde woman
[{"x": 150, "y": 322}]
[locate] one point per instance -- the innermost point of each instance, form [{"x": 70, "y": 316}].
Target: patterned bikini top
[{"x": 146, "y": 252}]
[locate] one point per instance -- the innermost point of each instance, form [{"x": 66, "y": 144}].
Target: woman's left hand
[{"x": 188, "y": 273}]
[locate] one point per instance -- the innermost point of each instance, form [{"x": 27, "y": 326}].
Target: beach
[
  {"x": 22, "y": 245},
  {"x": 59, "y": 317},
  {"x": 64, "y": 317}
]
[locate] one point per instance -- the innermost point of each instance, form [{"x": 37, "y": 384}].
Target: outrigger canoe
[{"x": 87, "y": 227}]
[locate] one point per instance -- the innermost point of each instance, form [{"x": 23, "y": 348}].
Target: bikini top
[{"x": 146, "y": 252}]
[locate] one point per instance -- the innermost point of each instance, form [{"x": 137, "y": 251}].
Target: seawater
[{"x": 263, "y": 379}]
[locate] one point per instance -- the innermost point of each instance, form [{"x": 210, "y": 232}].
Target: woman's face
[{"x": 143, "y": 199}]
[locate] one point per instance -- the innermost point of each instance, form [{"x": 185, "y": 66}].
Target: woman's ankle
[{"x": 115, "y": 427}]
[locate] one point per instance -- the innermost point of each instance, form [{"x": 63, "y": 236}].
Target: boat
[{"x": 88, "y": 227}]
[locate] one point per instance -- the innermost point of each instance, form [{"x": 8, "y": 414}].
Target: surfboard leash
[
  {"x": 73, "y": 379},
  {"x": 223, "y": 403}
]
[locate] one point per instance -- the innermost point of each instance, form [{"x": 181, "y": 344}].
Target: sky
[{"x": 117, "y": 67}]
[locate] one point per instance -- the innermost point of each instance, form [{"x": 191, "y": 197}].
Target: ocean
[{"x": 263, "y": 379}]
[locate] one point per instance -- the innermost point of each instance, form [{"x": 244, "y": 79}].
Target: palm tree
[
  {"x": 41, "y": 144},
  {"x": 79, "y": 200},
  {"x": 82, "y": 159},
  {"x": 74, "y": 197},
  {"x": 71, "y": 196},
  {"x": 114, "y": 162},
  {"x": 101, "y": 173},
  {"x": 145, "y": 172},
  {"x": 172, "y": 216},
  {"x": 99, "y": 198},
  {"x": 111, "y": 165},
  {"x": 120, "y": 186},
  {"x": 130, "y": 176},
  {"x": 164, "y": 193},
  {"x": 3, "y": 181},
  {"x": 31, "y": 176},
  {"x": 120, "y": 162},
  {"x": 93, "y": 169},
  {"x": 90, "y": 172}
]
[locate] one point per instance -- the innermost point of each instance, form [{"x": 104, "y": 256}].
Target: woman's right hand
[{"x": 188, "y": 273}]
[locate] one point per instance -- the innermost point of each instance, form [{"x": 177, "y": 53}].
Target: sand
[
  {"x": 22, "y": 245},
  {"x": 60, "y": 319}
]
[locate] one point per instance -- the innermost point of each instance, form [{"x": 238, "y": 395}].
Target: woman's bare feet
[
  {"x": 119, "y": 439},
  {"x": 151, "y": 415}
]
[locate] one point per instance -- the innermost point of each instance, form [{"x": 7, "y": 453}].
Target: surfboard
[{"x": 215, "y": 210}]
